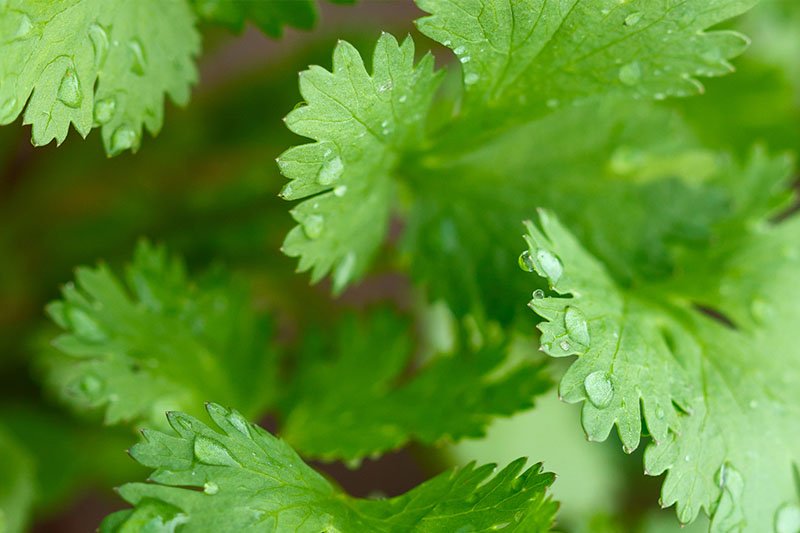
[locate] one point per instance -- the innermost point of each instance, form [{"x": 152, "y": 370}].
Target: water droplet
[
  {"x": 660, "y": 412},
  {"x": 526, "y": 261},
  {"x": 550, "y": 265},
  {"x": 465, "y": 59},
  {"x": 84, "y": 326},
  {"x": 753, "y": 404},
  {"x": 538, "y": 294},
  {"x": 633, "y": 19},
  {"x": 382, "y": 88},
  {"x": 687, "y": 458},
  {"x": 24, "y": 27},
  {"x": 565, "y": 345},
  {"x": 460, "y": 50},
  {"x": 69, "y": 91},
  {"x": 340, "y": 191},
  {"x": 330, "y": 171},
  {"x": 344, "y": 270},
  {"x": 210, "y": 488},
  {"x": 313, "y": 226},
  {"x": 630, "y": 74},
  {"x": 138, "y": 57},
  {"x": 99, "y": 38},
  {"x": 7, "y": 110},
  {"x": 576, "y": 326},
  {"x": 123, "y": 138},
  {"x": 471, "y": 78},
  {"x": 552, "y": 103},
  {"x": 104, "y": 110},
  {"x": 91, "y": 386},
  {"x": 787, "y": 518},
  {"x": 212, "y": 452},
  {"x": 402, "y": 99},
  {"x": 599, "y": 389},
  {"x": 239, "y": 423}
]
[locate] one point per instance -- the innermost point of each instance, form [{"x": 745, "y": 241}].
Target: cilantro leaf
[
  {"x": 252, "y": 481},
  {"x": 364, "y": 400},
  {"x": 17, "y": 485},
  {"x": 521, "y": 58},
  {"x": 164, "y": 342},
  {"x": 270, "y": 16},
  {"x": 713, "y": 394},
  {"x": 95, "y": 63},
  {"x": 361, "y": 125}
]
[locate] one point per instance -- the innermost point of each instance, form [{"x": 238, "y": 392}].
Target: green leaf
[
  {"x": 707, "y": 360},
  {"x": 95, "y": 63},
  {"x": 361, "y": 125},
  {"x": 165, "y": 342},
  {"x": 269, "y": 15},
  {"x": 17, "y": 485},
  {"x": 364, "y": 399},
  {"x": 521, "y": 58},
  {"x": 252, "y": 481}
]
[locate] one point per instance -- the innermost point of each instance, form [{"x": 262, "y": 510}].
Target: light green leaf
[
  {"x": 720, "y": 397},
  {"x": 361, "y": 124},
  {"x": 363, "y": 399},
  {"x": 95, "y": 63},
  {"x": 165, "y": 342},
  {"x": 252, "y": 481}
]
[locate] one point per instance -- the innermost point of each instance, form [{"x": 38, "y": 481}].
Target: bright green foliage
[
  {"x": 164, "y": 342},
  {"x": 95, "y": 63},
  {"x": 362, "y": 124},
  {"x": 269, "y": 15},
  {"x": 713, "y": 395},
  {"x": 521, "y": 61},
  {"x": 252, "y": 481},
  {"x": 362, "y": 400},
  {"x": 17, "y": 485}
]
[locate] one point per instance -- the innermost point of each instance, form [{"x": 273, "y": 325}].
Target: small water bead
[
  {"x": 465, "y": 59},
  {"x": 526, "y": 262},
  {"x": 340, "y": 191},
  {"x": 212, "y": 452},
  {"x": 633, "y": 19},
  {"x": 402, "y": 99},
  {"x": 660, "y": 412},
  {"x": 69, "y": 90},
  {"x": 471, "y": 78},
  {"x": 210, "y": 488},
  {"x": 382, "y": 88},
  {"x": 123, "y": 138},
  {"x": 538, "y": 294},
  {"x": 460, "y": 50},
  {"x": 599, "y": 389},
  {"x": 138, "y": 57},
  {"x": 565, "y": 345},
  {"x": 330, "y": 171},
  {"x": 787, "y": 518},
  {"x": 576, "y": 326},
  {"x": 549, "y": 264},
  {"x": 630, "y": 74},
  {"x": 99, "y": 39},
  {"x": 91, "y": 386},
  {"x": 104, "y": 110},
  {"x": 241, "y": 425},
  {"x": 313, "y": 225}
]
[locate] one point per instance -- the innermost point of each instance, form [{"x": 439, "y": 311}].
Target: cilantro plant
[{"x": 624, "y": 167}]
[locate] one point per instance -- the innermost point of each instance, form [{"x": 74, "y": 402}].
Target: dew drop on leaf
[
  {"x": 91, "y": 386},
  {"x": 550, "y": 265},
  {"x": 565, "y": 345},
  {"x": 330, "y": 171},
  {"x": 575, "y": 324},
  {"x": 526, "y": 261},
  {"x": 633, "y": 19},
  {"x": 241, "y": 425},
  {"x": 538, "y": 294},
  {"x": 787, "y": 518},
  {"x": 630, "y": 74},
  {"x": 313, "y": 226},
  {"x": 340, "y": 191},
  {"x": 344, "y": 270},
  {"x": 138, "y": 58},
  {"x": 210, "y": 488},
  {"x": 599, "y": 389},
  {"x": 123, "y": 138},
  {"x": 471, "y": 78},
  {"x": 99, "y": 39},
  {"x": 69, "y": 90},
  {"x": 212, "y": 452},
  {"x": 104, "y": 110}
]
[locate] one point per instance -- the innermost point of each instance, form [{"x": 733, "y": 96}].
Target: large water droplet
[
  {"x": 69, "y": 91},
  {"x": 210, "y": 488},
  {"x": 787, "y": 518},
  {"x": 99, "y": 38},
  {"x": 550, "y": 265},
  {"x": 138, "y": 57},
  {"x": 599, "y": 389},
  {"x": 630, "y": 74},
  {"x": 104, "y": 110},
  {"x": 575, "y": 324},
  {"x": 123, "y": 138},
  {"x": 84, "y": 326},
  {"x": 526, "y": 261},
  {"x": 330, "y": 171},
  {"x": 313, "y": 226},
  {"x": 633, "y": 19},
  {"x": 241, "y": 425},
  {"x": 212, "y": 452}
]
